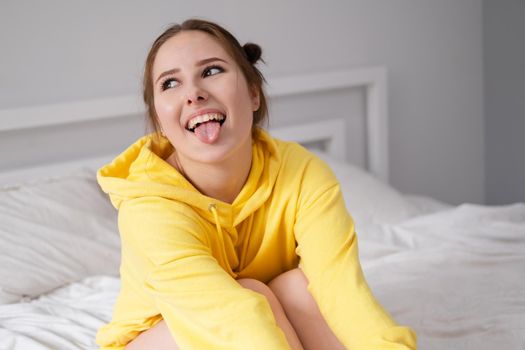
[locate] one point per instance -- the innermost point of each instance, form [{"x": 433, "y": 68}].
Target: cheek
[
  {"x": 166, "y": 109},
  {"x": 240, "y": 94}
]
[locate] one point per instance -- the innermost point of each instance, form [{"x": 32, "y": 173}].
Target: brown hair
[{"x": 245, "y": 56}]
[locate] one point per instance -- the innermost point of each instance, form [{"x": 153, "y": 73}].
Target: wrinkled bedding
[
  {"x": 66, "y": 318},
  {"x": 456, "y": 276}
]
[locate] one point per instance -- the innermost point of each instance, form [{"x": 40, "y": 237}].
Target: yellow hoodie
[{"x": 182, "y": 251}]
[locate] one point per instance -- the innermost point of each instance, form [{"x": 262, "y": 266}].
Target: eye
[
  {"x": 209, "y": 71},
  {"x": 169, "y": 83}
]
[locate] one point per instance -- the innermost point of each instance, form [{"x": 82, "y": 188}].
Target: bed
[{"x": 453, "y": 273}]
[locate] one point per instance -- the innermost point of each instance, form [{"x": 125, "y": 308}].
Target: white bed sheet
[
  {"x": 455, "y": 276},
  {"x": 67, "y": 318}
]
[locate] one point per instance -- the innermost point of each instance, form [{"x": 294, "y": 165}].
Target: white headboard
[{"x": 37, "y": 126}]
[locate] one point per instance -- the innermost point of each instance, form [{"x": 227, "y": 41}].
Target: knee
[
  {"x": 289, "y": 280},
  {"x": 263, "y": 289},
  {"x": 291, "y": 289},
  {"x": 256, "y": 286}
]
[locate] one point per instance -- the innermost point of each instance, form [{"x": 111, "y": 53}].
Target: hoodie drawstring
[{"x": 213, "y": 209}]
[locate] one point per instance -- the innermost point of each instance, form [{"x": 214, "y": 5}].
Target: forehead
[{"x": 187, "y": 47}]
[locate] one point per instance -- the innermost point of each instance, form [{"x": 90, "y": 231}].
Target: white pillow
[
  {"x": 53, "y": 232},
  {"x": 369, "y": 200}
]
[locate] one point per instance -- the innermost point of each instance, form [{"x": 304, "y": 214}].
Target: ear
[{"x": 255, "y": 97}]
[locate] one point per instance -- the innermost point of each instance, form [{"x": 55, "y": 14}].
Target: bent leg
[
  {"x": 278, "y": 312},
  {"x": 159, "y": 337},
  {"x": 303, "y": 311}
]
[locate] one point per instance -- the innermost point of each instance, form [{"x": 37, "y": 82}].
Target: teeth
[{"x": 204, "y": 118}]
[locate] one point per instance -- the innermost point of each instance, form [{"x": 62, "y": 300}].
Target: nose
[{"x": 195, "y": 94}]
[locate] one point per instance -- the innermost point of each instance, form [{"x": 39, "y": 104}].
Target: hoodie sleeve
[
  {"x": 203, "y": 306},
  {"x": 327, "y": 246}
]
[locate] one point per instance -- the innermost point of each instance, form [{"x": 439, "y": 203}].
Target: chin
[
  {"x": 221, "y": 153},
  {"x": 215, "y": 155}
]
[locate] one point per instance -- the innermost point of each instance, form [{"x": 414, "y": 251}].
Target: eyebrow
[{"x": 198, "y": 64}]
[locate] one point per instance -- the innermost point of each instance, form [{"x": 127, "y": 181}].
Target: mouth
[{"x": 202, "y": 119}]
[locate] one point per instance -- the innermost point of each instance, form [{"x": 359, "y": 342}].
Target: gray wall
[
  {"x": 54, "y": 51},
  {"x": 504, "y": 52}
]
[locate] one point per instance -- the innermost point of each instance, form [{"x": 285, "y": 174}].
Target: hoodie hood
[{"x": 141, "y": 171}]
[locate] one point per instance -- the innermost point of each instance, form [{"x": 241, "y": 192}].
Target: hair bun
[{"x": 253, "y": 52}]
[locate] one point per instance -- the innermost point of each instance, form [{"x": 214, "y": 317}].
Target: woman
[{"x": 231, "y": 239}]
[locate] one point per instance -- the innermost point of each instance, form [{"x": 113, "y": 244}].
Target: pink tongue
[{"x": 208, "y": 132}]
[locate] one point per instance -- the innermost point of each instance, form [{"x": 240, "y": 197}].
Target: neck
[{"x": 223, "y": 180}]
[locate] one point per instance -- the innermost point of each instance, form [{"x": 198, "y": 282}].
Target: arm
[
  {"x": 327, "y": 245},
  {"x": 203, "y": 306}
]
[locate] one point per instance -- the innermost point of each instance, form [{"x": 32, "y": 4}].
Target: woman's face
[{"x": 202, "y": 99}]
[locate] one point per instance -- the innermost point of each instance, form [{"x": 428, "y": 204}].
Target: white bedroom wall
[
  {"x": 504, "y": 32},
  {"x": 63, "y": 50}
]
